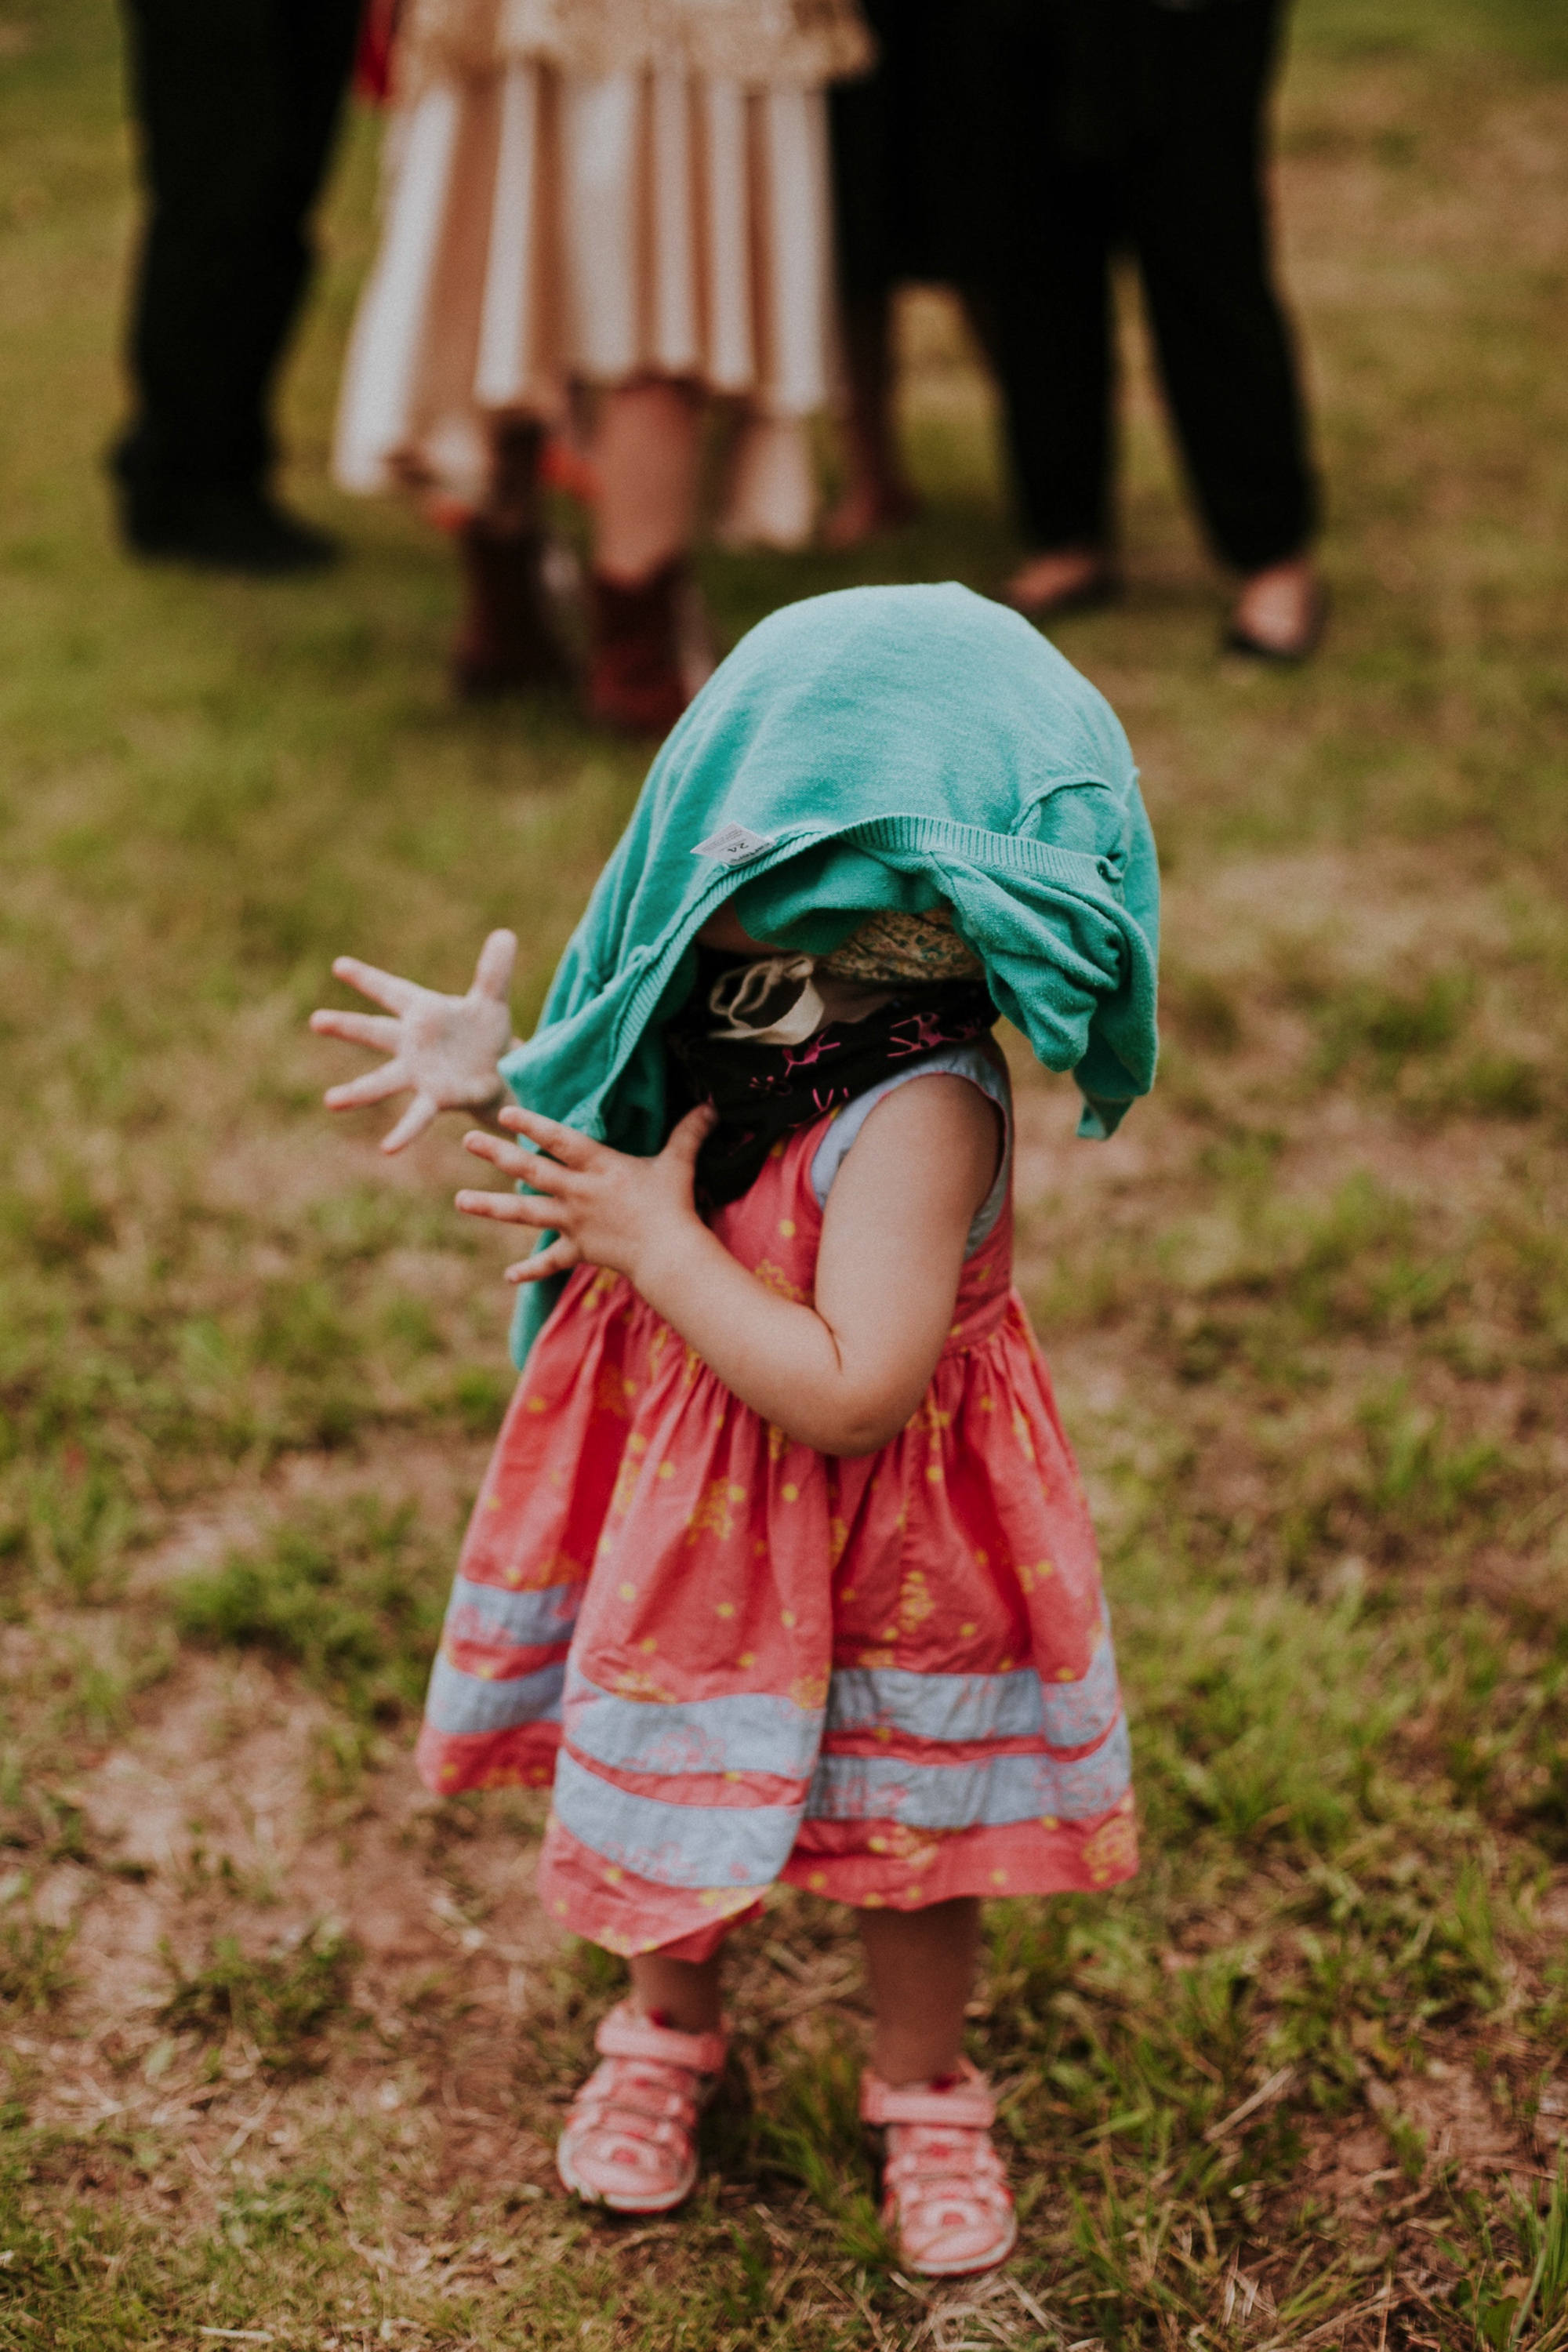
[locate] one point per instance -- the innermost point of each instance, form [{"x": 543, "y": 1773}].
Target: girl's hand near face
[
  {"x": 607, "y": 1208},
  {"x": 444, "y": 1049}
]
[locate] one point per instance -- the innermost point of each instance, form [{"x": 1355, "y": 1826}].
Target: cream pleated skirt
[{"x": 543, "y": 230}]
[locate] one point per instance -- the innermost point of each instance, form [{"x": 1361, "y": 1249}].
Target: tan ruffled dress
[{"x": 593, "y": 190}]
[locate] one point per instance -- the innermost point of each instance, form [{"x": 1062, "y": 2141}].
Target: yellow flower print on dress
[
  {"x": 560, "y": 1567},
  {"x": 809, "y": 1693},
  {"x": 916, "y": 1848},
  {"x": 1113, "y": 1851},
  {"x": 627, "y": 1477},
  {"x": 633, "y": 1684},
  {"x": 915, "y": 1604},
  {"x": 726, "y": 1900},
  {"x": 715, "y": 1513},
  {"x": 612, "y": 1392},
  {"x": 933, "y": 1420}
]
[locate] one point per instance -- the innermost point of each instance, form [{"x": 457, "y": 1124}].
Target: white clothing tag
[{"x": 734, "y": 845}]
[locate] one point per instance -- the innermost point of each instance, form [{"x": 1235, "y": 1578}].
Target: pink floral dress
[{"x": 888, "y": 1680}]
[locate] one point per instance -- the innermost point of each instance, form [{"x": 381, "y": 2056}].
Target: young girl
[{"x": 782, "y": 1568}]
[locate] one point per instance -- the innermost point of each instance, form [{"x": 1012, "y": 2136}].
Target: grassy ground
[{"x": 284, "y": 2039}]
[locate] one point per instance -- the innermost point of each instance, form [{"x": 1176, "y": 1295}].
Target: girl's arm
[
  {"x": 443, "y": 1048},
  {"x": 842, "y": 1375}
]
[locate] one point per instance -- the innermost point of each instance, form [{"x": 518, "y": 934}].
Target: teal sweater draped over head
[{"x": 881, "y": 749}]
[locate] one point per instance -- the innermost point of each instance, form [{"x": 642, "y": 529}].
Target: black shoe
[{"x": 223, "y": 530}]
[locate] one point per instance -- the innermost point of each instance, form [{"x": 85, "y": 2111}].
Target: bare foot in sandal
[
  {"x": 1280, "y": 613},
  {"x": 1063, "y": 580}
]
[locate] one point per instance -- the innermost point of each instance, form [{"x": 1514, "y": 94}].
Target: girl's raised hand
[
  {"x": 607, "y": 1208},
  {"x": 442, "y": 1048}
]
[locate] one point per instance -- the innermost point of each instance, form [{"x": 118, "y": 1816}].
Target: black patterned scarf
[{"x": 764, "y": 1091}]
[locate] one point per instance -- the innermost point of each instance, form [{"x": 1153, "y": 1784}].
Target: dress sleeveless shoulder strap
[{"x": 977, "y": 1062}]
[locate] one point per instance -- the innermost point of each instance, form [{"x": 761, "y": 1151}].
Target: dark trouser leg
[
  {"x": 1050, "y": 340},
  {"x": 1039, "y": 282},
  {"x": 881, "y": 159},
  {"x": 237, "y": 100},
  {"x": 1199, "y": 221}
]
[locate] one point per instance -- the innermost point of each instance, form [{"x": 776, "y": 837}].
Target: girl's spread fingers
[
  {"x": 561, "y": 1144},
  {"x": 370, "y": 1086},
  {"x": 492, "y": 973},
  {"x": 385, "y": 987},
  {"x": 415, "y": 1121},
  {"x": 560, "y": 1259},
  {"x": 532, "y": 1168},
  {"x": 359, "y": 1028},
  {"x": 508, "y": 1207},
  {"x": 504, "y": 1156}
]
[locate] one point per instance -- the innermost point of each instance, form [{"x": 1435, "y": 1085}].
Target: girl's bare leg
[
  {"x": 923, "y": 1965},
  {"x": 684, "y": 1994}
]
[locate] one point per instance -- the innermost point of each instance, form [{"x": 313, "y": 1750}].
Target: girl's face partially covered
[{"x": 723, "y": 930}]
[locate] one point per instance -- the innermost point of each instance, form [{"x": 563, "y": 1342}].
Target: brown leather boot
[
  {"x": 508, "y": 635},
  {"x": 648, "y": 649}
]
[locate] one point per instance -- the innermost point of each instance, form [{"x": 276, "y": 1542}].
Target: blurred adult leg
[
  {"x": 237, "y": 100},
  {"x": 1044, "y": 156},
  {"x": 1051, "y": 334},
  {"x": 1199, "y": 219},
  {"x": 882, "y": 155}
]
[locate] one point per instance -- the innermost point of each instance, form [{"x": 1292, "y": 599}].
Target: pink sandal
[
  {"x": 945, "y": 2199},
  {"x": 630, "y": 2140}
]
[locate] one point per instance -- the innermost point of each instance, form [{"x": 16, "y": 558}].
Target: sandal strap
[
  {"x": 619, "y": 2089},
  {"x": 965, "y": 2105},
  {"x": 634, "y": 2122},
  {"x": 971, "y": 2166},
  {"x": 626, "y": 2032}
]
